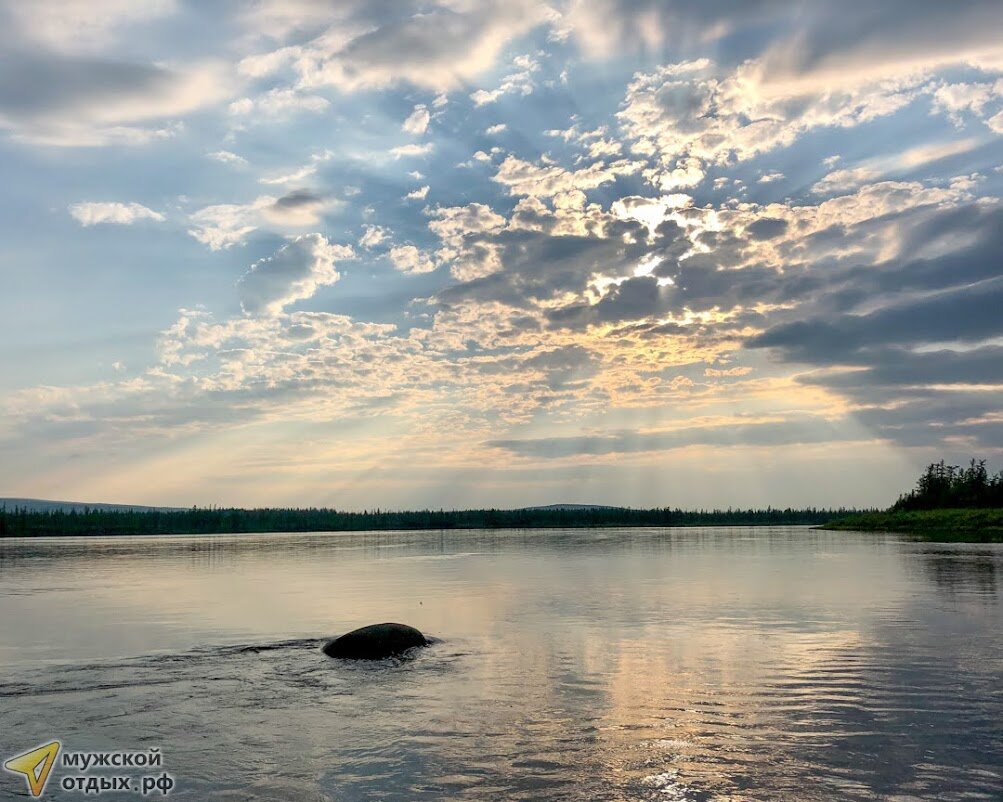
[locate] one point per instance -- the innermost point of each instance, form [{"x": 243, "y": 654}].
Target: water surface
[{"x": 620, "y": 664}]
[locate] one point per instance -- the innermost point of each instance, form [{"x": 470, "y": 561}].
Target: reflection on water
[
  {"x": 971, "y": 571},
  {"x": 701, "y": 664}
]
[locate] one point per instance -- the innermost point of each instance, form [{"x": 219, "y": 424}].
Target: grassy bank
[{"x": 944, "y": 525}]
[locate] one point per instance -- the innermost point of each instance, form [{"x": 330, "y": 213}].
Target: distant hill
[{"x": 46, "y": 505}]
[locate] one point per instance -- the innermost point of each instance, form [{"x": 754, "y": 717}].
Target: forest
[
  {"x": 19, "y": 523},
  {"x": 949, "y": 503},
  {"x": 943, "y": 486}
]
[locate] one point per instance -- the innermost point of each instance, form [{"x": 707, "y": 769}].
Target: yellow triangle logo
[{"x": 35, "y": 766}]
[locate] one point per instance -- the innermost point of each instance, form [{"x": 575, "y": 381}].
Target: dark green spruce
[
  {"x": 949, "y": 503},
  {"x": 19, "y": 523}
]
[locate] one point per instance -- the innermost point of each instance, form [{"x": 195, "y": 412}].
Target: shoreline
[
  {"x": 962, "y": 525},
  {"x": 405, "y": 530}
]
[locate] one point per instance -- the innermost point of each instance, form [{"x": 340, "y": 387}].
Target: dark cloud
[
  {"x": 883, "y": 368},
  {"x": 767, "y": 228},
  {"x": 34, "y": 86},
  {"x": 562, "y": 366},
  {"x": 892, "y": 360},
  {"x": 801, "y": 36},
  {"x": 538, "y": 266},
  {"x": 63, "y": 99},
  {"x": 966, "y": 314},
  {"x": 861, "y": 32},
  {"x": 633, "y": 299},
  {"x": 299, "y": 199}
]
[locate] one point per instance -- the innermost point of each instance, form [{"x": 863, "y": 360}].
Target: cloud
[
  {"x": 952, "y": 99},
  {"x": 838, "y": 44},
  {"x": 92, "y": 213},
  {"x": 438, "y": 46},
  {"x": 410, "y": 151},
  {"x": 75, "y": 101},
  {"x": 844, "y": 180},
  {"x": 277, "y": 103},
  {"x": 793, "y": 431},
  {"x": 955, "y": 315},
  {"x": 524, "y": 178},
  {"x": 226, "y": 224},
  {"x": 222, "y": 226},
  {"x": 87, "y": 24},
  {"x": 409, "y": 259},
  {"x": 858, "y": 42},
  {"x": 914, "y": 342},
  {"x": 935, "y": 151},
  {"x": 300, "y": 207},
  {"x": 300, "y": 173},
  {"x": 519, "y": 82},
  {"x": 689, "y": 115},
  {"x": 452, "y": 223},
  {"x": 417, "y": 121},
  {"x": 603, "y": 28},
  {"x": 372, "y": 236},
  {"x": 583, "y": 277},
  {"x": 294, "y": 272},
  {"x": 227, "y": 157}
]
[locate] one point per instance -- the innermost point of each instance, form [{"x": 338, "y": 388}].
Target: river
[{"x": 617, "y": 664}]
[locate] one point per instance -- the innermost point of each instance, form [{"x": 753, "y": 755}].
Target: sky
[{"x": 463, "y": 253}]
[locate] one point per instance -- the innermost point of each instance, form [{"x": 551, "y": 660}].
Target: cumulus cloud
[
  {"x": 224, "y": 225},
  {"x": 90, "y": 213},
  {"x": 844, "y": 180},
  {"x": 294, "y": 272},
  {"x": 954, "y": 98},
  {"x": 372, "y": 236},
  {"x": 578, "y": 279},
  {"x": 417, "y": 121},
  {"x": 688, "y": 115},
  {"x": 410, "y": 259},
  {"x": 524, "y": 178}
]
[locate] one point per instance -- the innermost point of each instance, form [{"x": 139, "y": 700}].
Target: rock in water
[{"x": 375, "y": 642}]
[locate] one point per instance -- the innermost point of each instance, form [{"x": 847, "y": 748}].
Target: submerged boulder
[{"x": 375, "y": 642}]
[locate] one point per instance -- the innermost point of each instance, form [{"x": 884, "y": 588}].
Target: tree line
[
  {"x": 943, "y": 486},
  {"x": 213, "y": 520}
]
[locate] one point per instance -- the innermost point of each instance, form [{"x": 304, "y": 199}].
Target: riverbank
[{"x": 948, "y": 525}]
